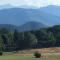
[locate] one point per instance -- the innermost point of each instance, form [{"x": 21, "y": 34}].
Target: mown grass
[{"x": 28, "y": 57}]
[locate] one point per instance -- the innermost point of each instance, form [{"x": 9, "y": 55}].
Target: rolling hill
[
  {"x": 31, "y": 26},
  {"x": 25, "y": 27}
]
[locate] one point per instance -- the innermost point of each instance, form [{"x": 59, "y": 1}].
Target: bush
[
  {"x": 1, "y": 53},
  {"x": 37, "y": 54}
]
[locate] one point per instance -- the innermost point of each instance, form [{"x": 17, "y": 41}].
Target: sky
[{"x": 35, "y": 3}]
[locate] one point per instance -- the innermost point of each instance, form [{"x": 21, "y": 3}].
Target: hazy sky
[{"x": 36, "y": 3}]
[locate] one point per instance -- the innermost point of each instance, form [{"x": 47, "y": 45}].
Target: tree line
[{"x": 46, "y": 37}]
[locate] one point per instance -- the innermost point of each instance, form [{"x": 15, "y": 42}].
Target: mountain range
[
  {"x": 19, "y": 16},
  {"x": 28, "y": 18},
  {"x": 51, "y": 9}
]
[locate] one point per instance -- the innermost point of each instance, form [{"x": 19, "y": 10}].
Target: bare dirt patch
[{"x": 44, "y": 51}]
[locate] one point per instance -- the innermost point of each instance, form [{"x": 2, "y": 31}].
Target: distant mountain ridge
[
  {"x": 20, "y": 16},
  {"x": 29, "y": 26},
  {"x": 51, "y": 9},
  {"x": 6, "y": 6},
  {"x": 8, "y": 27}
]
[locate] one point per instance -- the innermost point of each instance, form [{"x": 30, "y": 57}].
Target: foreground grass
[
  {"x": 47, "y": 54},
  {"x": 28, "y": 57}
]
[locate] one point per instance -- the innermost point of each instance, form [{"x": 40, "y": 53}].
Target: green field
[{"x": 28, "y": 57}]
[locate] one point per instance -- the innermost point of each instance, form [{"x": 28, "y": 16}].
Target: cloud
[
  {"x": 36, "y": 3},
  {"x": 56, "y": 2}
]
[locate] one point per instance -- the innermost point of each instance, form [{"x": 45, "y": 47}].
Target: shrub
[
  {"x": 1, "y": 53},
  {"x": 37, "y": 54}
]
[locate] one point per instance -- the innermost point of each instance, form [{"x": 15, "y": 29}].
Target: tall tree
[
  {"x": 51, "y": 38},
  {"x": 5, "y": 41},
  {"x": 16, "y": 38},
  {"x": 10, "y": 36},
  {"x": 30, "y": 39},
  {"x": 1, "y": 44}
]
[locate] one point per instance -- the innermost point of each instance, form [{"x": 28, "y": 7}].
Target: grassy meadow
[
  {"x": 47, "y": 54},
  {"x": 29, "y": 57}
]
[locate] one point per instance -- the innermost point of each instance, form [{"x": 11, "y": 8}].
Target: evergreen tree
[
  {"x": 16, "y": 38},
  {"x": 30, "y": 39},
  {"x": 10, "y": 36},
  {"x": 1, "y": 44},
  {"x": 51, "y": 38}
]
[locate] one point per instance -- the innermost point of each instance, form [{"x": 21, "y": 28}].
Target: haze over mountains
[
  {"x": 51, "y": 9},
  {"x": 17, "y": 16},
  {"x": 23, "y": 17}
]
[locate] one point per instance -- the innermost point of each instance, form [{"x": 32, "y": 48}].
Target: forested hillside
[
  {"x": 32, "y": 25},
  {"x": 47, "y": 37}
]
